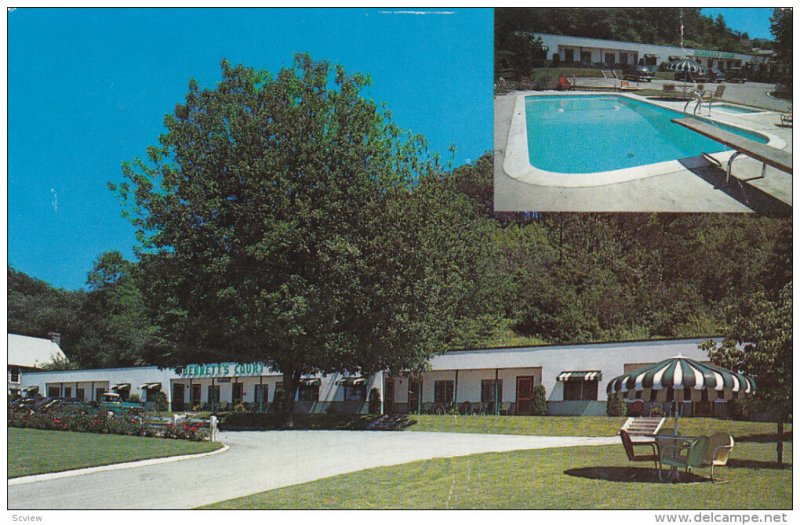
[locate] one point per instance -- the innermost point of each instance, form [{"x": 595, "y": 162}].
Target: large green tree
[
  {"x": 287, "y": 220},
  {"x": 760, "y": 344}
]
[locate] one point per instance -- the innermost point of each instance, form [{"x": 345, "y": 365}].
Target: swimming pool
[
  {"x": 586, "y": 134},
  {"x": 728, "y": 108}
]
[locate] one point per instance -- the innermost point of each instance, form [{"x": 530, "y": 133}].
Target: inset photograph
[{"x": 638, "y": 109}]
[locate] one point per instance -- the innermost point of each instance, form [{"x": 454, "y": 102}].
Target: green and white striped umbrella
[{"x": 681, "y": 379}]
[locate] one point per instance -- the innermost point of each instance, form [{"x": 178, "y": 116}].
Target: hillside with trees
[{"x": 657, "y": 25}]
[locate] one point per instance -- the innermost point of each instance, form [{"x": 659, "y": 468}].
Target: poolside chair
[
  {"x": 427, "y": 407},
  {"x": 630, "y": 449},
  {"x": 564, "y": 83},
  {"x": 694, "y": 456},
  {"x": 624, "y": 85},
  {"x": 466, "y": 408},
  {"x": 786, "y": 119},
  {"x": 478, "y": 409},
  {"x": 719, "y": 450},
  {"x": 505, "y": 407},
  {"x": 708, "y": 96}
]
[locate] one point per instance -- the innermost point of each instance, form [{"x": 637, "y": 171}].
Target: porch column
[
  {"x": 91, "y": 395},
  {"x": 455, "y": 391},
  {"x": 496, "y": 405},
  {"x": 261, "y": 393},
  {"x": 383, "y": 390},
  {"x": 212, "y": 400}
]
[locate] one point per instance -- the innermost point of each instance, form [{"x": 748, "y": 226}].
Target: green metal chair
[{"x": 694, "y": 457}]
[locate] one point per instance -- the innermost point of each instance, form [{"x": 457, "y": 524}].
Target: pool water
[
  {"x": 587, "y": 134},
  {"x": 734, "y": 109}
]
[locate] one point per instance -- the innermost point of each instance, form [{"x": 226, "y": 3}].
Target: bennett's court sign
[{"x": 223, "y": 370}]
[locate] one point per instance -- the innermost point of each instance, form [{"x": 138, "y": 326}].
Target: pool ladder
[{"x": 698, "y": 96}]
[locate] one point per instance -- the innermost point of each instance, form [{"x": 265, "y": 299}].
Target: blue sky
[
  {"x": 89, "y": 88},
  {"x": 751, "y": 20}
]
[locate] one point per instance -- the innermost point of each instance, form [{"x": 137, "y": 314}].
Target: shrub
[
  {"x": 161, "y": 402},
  {"x": 239, "y": 407},
  {"x": 134, "y": 398},
  {"x": 278, "y": 401},
  {"x": 615, "y": 407},
  {"x": 374, "y": 401},
  {"x": 539, "y": 402}
]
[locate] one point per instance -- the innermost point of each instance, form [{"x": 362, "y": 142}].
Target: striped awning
[
  {"x": 681, "y": 379},
  {"x": 121, "y": 386},
  {"x": 352, "y": 381},
  {"x": 585, "y": 375},
  {"x": 311, "y": 381},
  {"x": 149, "y": 386}
]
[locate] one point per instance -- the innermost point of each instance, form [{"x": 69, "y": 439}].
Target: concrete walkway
[{"x": 259, "y": 461}]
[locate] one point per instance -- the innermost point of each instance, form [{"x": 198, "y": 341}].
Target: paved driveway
[{"x": 259, "y": 461}]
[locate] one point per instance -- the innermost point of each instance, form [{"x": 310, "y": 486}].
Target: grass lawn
[
  {"x": 32, "y": 451},
  {"x": 580, "y": 426},
  {"x": 569, "y": 478}
]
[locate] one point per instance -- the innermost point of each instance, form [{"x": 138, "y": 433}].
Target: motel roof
[{"x": 32, "y": 352}]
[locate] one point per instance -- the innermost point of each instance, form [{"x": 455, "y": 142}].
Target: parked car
[
  {"x": 639, "y": 73},
  {"x": 113, "y": 402},
  {"x": 736, "y": 74},
  {"x": 715, "y": 75}
]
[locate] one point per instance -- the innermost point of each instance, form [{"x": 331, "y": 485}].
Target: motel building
[
  {"x": 479, "y": 381},
  {"x": 573, "y": 50}
]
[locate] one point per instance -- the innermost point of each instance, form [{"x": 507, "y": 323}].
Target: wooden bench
[
  {"x": 643, "y": 426},
  {"x": 767, "y": 155}
]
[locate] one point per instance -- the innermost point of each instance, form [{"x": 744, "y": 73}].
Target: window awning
[
  {"x": 583, "y": 375},
  {"x": 150, "y": 386},
  {"x": 352, "y": 381},
  {"x": 650, "y": 56},
  {"x": 121, "y": 386},
  {"x": 311, "y": 381},
  {"x": 31, "y": 389}
]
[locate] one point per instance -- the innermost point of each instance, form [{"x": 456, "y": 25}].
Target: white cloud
[{"x": 417, "y": 12}]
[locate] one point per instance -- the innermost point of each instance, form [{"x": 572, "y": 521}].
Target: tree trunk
[
  {"x": 289, "y": 387},
  {"x": 780, "y": 443}
]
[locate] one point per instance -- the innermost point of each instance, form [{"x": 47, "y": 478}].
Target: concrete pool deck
[{"x": 695, "y": 185}]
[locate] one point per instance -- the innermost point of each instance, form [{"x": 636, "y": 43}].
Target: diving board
[{"x": 767, "y": 155}]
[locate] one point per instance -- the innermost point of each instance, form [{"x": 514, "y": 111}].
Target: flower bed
[{"x": 103, "y": 423}]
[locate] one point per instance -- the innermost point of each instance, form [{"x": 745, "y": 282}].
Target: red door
[{"x": 524, "y": 395}]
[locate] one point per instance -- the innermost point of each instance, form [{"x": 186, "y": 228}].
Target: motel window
[
  {"x": 67, "y": 391},
  {"x": 80, "y": 393},
  {"x": 586, "y": 57},
  {"x": 355, "y": 392},
  {"x": 580, "y": 390},
  {"x": 238, "y": 393},
  {"x": 623, "y": 58},
  {"x": 53, "y": 391},
  {"x": 443, "y": 391},
  {"x": 488, "y": 390},
  {"x": 609, "y": 59},
  {"x": 14, "y": 374},
  {"x": 98, "y": 393},
  {"x": 309, "y": 392},
  {"x": 569, "y": 56}
]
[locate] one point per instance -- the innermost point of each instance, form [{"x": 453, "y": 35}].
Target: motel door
[
  {"x": 413, "y": 395},
  {"x": 388, "y": 396},
  {"x": 196, "y": 390},
  {"x": 524, "y": 395},
  {"x": 177, "y": 397}
]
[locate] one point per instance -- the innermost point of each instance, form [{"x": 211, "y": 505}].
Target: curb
[{"x": 24, "y": 480}]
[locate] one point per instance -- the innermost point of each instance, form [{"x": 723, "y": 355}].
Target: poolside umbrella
[
  {"x": 679, "y": 379},
  {"x": 685, "y": 65}
]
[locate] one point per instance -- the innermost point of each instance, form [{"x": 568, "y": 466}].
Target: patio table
[{"x": 674, "y": 444}]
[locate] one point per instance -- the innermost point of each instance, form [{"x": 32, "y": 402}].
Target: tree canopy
[{"x": 287, "y": 220}]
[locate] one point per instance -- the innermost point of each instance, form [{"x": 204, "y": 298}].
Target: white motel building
[
  {"x": 491, "y": 380},
  {"x": 613, "y": 53}
]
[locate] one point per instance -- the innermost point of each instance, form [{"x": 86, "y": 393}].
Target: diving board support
[{"x": 767, "y": 155}]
